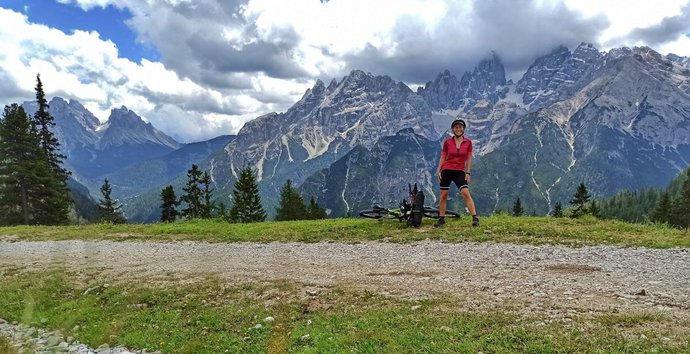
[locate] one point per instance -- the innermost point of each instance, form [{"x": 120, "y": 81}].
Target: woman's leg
[
  {"x": 465, "y": 193},
  {"x": 442, "y": 202}
]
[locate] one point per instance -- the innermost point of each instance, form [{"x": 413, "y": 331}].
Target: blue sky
[
  {"x": 197, "y": 69},
  {"x": 109, "y": 22}
]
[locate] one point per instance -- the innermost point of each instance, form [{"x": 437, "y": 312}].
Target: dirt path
[{"x": 532, "y": 278}]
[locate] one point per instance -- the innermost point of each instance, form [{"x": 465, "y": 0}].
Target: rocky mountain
[
  {"x": 558, "y": 75},
  {"x": 94, "y": 149},
  {"x": 620, "y": 121},
  {"x": 379, "y": 175},
  {"x": 141, "y": 176},
  {"x": 486, "y": 82},
  {"x": 323, "y": 126},
  {"x": 614, "y": 120}
]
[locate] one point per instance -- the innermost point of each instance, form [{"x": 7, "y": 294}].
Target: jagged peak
[{"x": 332, "y": 86}]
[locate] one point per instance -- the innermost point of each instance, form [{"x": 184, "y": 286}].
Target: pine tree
[
  {"x": 57, "y": 200},
  {"x": 168, "y": 206},
  {"x": 315, "y": 211},
  {"x": 291, "y": 205},
  {"x": 247, "y": 201},
  {"x": 221, "y": 211},
  {"x": 110, "y": 210},
  {"x": 557, "y": 210},
  {"x": 193, "y": 194},
  {"x": 207, "y": 193},
  {"x": 662, "y": 212},
  {"x": 681, "y": 207},
  {"x": 24, "y": 172},
  {"x": 517, "y": 208},
  {"x": 579, "y": 201},
  {"x": 594, "y": 209}
]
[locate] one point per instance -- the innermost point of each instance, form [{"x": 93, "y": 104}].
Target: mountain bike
[
  {"x": 381, "y": 213},
  {"x": 411, "y": 211}
]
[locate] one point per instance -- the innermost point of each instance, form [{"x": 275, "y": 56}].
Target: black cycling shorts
[{"x": 456, "y": 176}]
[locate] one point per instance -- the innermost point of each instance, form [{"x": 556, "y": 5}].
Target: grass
[
  {"x": 208, "y": 316},
  {"x": 6, "y": 347},
  {"x": 521, "y": 230}
]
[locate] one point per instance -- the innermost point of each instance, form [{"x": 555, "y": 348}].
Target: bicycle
[
  {"x": 405, "y": 212},
  {"x": 381, "y": 213}
]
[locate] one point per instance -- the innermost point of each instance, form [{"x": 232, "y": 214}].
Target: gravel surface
[
  {"x": 538, "y": 278},
  {"x": 557, "y": 282}
]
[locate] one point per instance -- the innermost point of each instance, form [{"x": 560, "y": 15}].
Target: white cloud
[
  {"x": 85, "y": 67},
  {"x": 224, "y": 62}
]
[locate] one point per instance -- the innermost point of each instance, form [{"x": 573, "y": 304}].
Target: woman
[{"x": 454, "y": 166}]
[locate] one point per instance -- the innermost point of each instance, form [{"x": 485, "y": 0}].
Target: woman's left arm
[{"x": 468, "y": 166}]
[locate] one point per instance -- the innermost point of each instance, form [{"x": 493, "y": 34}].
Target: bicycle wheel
[
  {"x": 373, "y": 214},
  {"x": 434, "y": 213}
]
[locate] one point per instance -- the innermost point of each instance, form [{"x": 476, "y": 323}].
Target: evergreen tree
[
  {"x": 221, "y": 211},
  {"x": 291, "y": 205},
  {"x": 57, "y": 200},
  {"x": 662, "y": 213},
  {"x": 207, "y": 193},
  {"x": 558, "y": 210},
  {"x": 681, "y": 207},
  {"x": 192, "y": 195},
  {"x": 247, "y": 201},
  {"x": 168, "y": 206},
  {"x": 594, "y": 209},
  {"x": 517, "y": 208},
  {"x": 24, "y": 172},
  {"x": 110, "y": 210},
  {"x": 315, "y": 211},
  {"x": 579, "y": 201}
]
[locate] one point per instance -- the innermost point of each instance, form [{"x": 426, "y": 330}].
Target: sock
[
  {"x": 441, "y": 218},
  {"x": 475, "y": 216}
]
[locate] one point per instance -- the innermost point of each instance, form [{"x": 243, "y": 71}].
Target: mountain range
[{"x": 614, "y": 120}]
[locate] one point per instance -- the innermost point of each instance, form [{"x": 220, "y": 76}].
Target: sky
[{"x": 197, "y": 69}]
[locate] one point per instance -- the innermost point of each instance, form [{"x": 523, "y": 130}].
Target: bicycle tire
[
  {"x": 372, "y": 214},
  {"x": 433, "y": 213}
]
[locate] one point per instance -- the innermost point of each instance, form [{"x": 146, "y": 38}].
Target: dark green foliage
[
  {"x": 517, "y": 208},
  {"x": 557, "y": 210},
  {"x": 291, "y": 205},
  {"x": 630, "y": 206},
  {"x": 663, "y": 206},
  {"x": 110, "y": 209},
  {"x": 315, "y": 211},
  {"x": 579, "y": 201},
  {"x": 57, "y": 198},
  {"x": 169, "y": 203},
  {"x": 681, "y": 206},
  {"x": 662, "y": 213},
  {"x": 24, "y": 172},
  {"x": 247, "y": 202},
  {"x": 594, "y": 209},
  {"x": 207, "y": 194},
  {"x": 221, "y": 211},
  {"x": 192, "y": 195}
]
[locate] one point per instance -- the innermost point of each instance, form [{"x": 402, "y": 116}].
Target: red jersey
[{"x": 456, "y": 156}]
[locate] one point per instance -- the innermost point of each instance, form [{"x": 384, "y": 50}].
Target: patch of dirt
[{"x": 572, "y": 268}]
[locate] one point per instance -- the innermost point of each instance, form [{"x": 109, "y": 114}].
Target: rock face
[
  {"x": 327, "y": 123},
  {"x": 486, "y": 82},
  {"x": 94, "y": 149},
  {"x": 621, "y": 121},
  {"x": 558, "y": 75},
  {"x": 616, "y": 120},
  {"x": 379, "y": 175}
]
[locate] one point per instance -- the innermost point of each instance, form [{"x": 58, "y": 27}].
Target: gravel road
[{"x": 535, "y": 278}]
